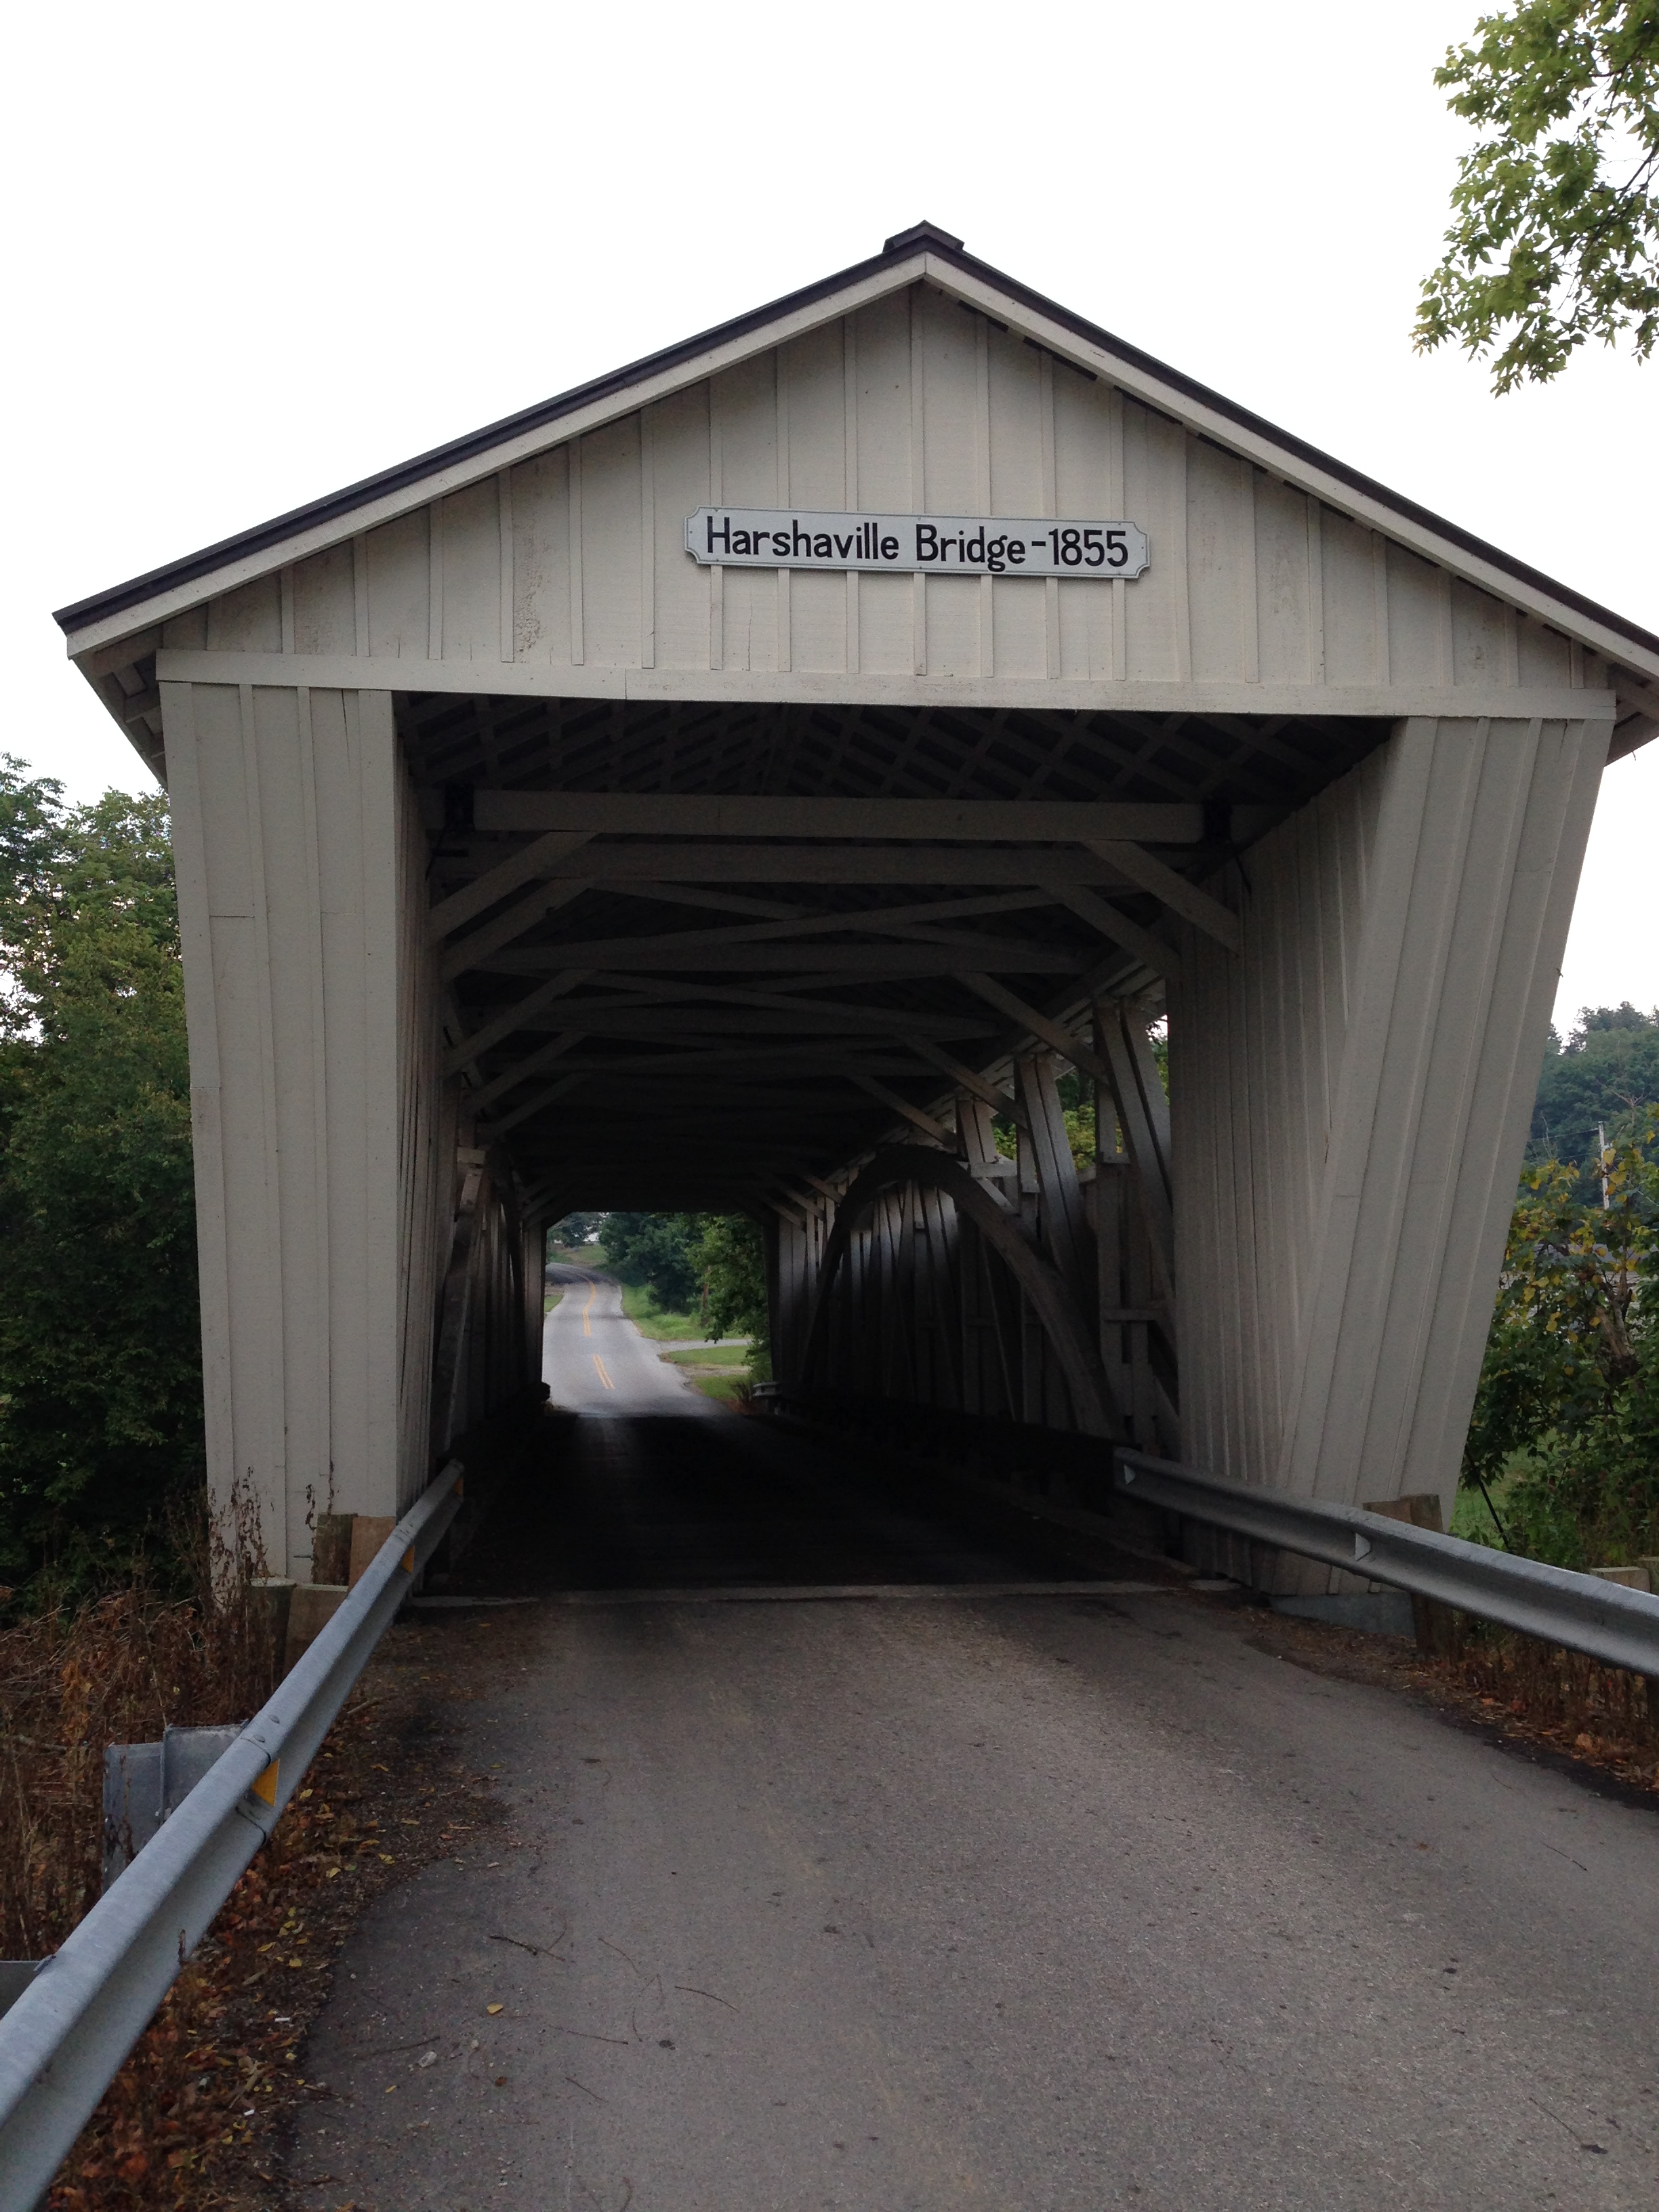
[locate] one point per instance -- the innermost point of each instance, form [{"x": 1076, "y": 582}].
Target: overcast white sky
[{"x": 257, "y": 254}]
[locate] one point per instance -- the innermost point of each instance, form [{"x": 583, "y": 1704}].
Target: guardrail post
[{"x": 1438, "y": 1633}]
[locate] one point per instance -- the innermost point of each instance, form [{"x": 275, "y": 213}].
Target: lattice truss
[{"x": 691, "y": 949}]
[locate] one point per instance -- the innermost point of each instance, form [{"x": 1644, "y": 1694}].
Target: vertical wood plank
[
  {"x": 716, "y": 495},
  {"x": 206, "y": 1102},
  {"x": 1114, "y": 497},
  {"x": 1315, "y": 594},
  {"x": 982, "y": 482},
  {"x": 360, "y": 589},
  {"x": 918, "y": 480},
  {"x": 780, "y": 370},
  {"x": 1249, "y": 618},
  {"x": 434, "y": 599},
  {"x": 648, "y": 538},
  {"x": 322, "y": 1381},
  {"x": 508, "y": 587},
  {"x": 850, "y": 464},
  {"x": 269, "y": 1214},
  {"x": 1050, "y": 507},
  {"x": 1380, "y": 606},
  {"x": 573, "y": 461},
  {"x": 370, "y": 724},
  {"x": 1183, "y": 604}
]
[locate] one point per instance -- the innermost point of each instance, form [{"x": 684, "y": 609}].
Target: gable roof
[{"x": 923, "y": 252}]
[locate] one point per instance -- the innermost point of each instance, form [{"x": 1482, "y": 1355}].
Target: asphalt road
[
  {"x": 954, "y": 1899},
  {"x": 595, "y": 1361}
]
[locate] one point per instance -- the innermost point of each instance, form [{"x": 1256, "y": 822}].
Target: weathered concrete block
[
  {"x": 369, "y": 1532},
  {"x": 330, "y": 1547},
  {"x": 1435, "y": 1625},
  {"x": 1630, "y": 1577},
  {"x": 1376, "y": 1613},
  {"x": 313, "y": 1607},
  {"x": 271, "y": 1597}
]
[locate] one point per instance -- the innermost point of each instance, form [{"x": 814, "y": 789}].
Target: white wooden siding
[
  {"x": 1350, "y": 1100},
  {"x": 323, "y": 1136},
  {"x": 575, "y": 560}
]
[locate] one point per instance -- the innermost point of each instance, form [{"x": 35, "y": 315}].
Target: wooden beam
[
  {"x": 521, "y": 1070},
  {"x": 783, "y": 1199},
  {"x": 495, "y": 883},
  {"x": 1119, "y": 928},
  {"x": 1143, "y": 1113},
  {"x": 1151, "y": 874},
  {"x": 523, "y": 915},
  {"x": 979, "y": 1086},
  {"x": 715, "y": 901},
  {"x": 472, "y": 1049},
  {"x": 1065, "y": 1229},
  {"x": 615, "y": 866},
  {"x": 916, "y": 922},
  {"x": 1076, "y": 1049},
  {"x": 661, "y": 956},
  {"x": 729, "y": 1067},
  {"x": 696, "y": 1028},
  {"x": 534, "y": 1105},
  {"x": 995, "y": 820},
  {"x": 706, "y": 1002},
  {"x": 899, "y": 1104}
]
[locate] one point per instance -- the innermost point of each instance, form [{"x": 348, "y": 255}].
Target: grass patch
[
  {"x": 726, "y": 1389},
  {"x": 550, "y": 1299},
  {"x": 577, "y": 1255},
  {"x": 659, "y": 1322},
  {"x": 724, "y": 1358}
]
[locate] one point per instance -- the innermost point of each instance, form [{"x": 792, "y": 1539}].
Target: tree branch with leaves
[{"x": 1555, "y": 213}]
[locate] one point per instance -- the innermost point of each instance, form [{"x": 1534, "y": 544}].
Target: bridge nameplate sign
[{"x": 937, "y": 545}]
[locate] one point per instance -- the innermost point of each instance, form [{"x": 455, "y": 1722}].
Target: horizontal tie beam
[{"x": 992, "y": 820}]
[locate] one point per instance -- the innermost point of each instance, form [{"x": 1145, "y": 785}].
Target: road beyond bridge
[{"x": 945, "y": 1900}]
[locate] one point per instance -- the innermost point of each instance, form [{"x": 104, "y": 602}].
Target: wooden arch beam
[{"x": 1044, "y": 1284}]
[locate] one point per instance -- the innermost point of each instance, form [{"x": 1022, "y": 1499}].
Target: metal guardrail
[
  {"x": 1606, "y": 1621},
  {"x": 64, "y": 2039}
]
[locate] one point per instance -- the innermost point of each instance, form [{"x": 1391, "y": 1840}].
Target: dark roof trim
[{"x": 925, "y": 237}]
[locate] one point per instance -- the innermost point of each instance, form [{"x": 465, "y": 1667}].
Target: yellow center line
[
  {"x": 603, "y": 1377},
  {"x": 587, "y": 1326}
]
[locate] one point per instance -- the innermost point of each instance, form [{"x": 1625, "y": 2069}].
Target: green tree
[
  {"x": 1601, "y": 1080},
  {"x": 1568, "y": 1403},
  {"x": 100, "y": 1419},
  {"x": 1554, "y": 211},
  {"x": 731, "y": 1259},
  {"x": 578, "y": 1229},
  {"x": 658, "y": 1249}
]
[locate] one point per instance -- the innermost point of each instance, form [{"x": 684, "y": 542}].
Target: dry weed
[
  {"x": 119, "y": 1669},
  {"x": 1603, "y": 1714}
]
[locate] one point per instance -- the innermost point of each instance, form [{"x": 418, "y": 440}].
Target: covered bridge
[{"x": 752, "y": 780}]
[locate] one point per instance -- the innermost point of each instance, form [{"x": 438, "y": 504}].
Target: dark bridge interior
[{"x": 693, "y": 950}]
